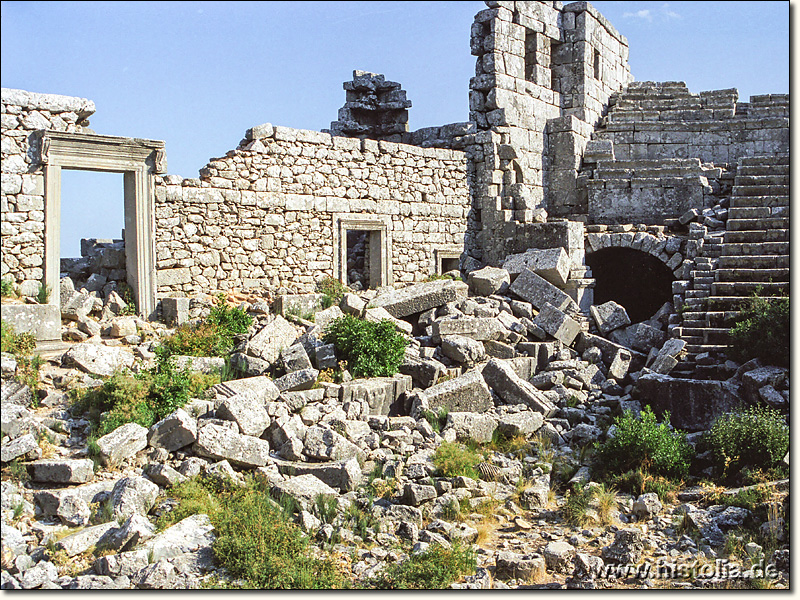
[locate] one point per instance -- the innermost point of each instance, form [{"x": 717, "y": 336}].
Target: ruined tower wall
[
  {"x": 271, "y": 214},
  {"x": 22, "y": 216}
]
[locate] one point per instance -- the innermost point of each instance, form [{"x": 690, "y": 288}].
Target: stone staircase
[{"x": 752, "y": 256}]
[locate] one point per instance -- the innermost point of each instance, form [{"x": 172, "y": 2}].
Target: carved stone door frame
[{"x": 139, "y": 161}]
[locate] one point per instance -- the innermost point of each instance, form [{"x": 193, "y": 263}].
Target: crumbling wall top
[{"x": 54, "y": 103}]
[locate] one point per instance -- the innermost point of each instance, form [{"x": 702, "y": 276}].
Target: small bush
[
  {"x": 437, "y": 419},
  {"x": 453, "y": 460},
  {"x": 214, "y": 335},
  {"x": 332, "y": 291},
  {"x": 762, "y": 331},
  {"x": 576, "y": 504},
  {"x": 43, "y": 295},
  {"x": 22, "y": 345},
  {"x": 753, "y": 438},
  {"x": 434, "y": 569},
  {"x": 193, "y": 498},
  {"x": 7, "y": 289},
  {"x": 370, "y": 349},
  {"x": 638, "y": 482},
  {"x": 643, "y": 443}
]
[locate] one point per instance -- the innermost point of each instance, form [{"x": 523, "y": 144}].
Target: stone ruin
[{"x": 563, "y": 149}]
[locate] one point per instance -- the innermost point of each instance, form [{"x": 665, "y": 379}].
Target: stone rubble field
[{"x": 505, "y": 355}]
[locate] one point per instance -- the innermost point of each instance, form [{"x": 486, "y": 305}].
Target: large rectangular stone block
[
  {"x": 478, "y": 328},
  {"x": 562, "y": 327},
  {"x": 420, "y": 297},
  {"x": 534, "y": 289},
  {"x": 552, "y": 264},
  {"x": 466, "y": 393}
]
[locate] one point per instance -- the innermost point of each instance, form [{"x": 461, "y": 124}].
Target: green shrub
[
  {"x": 257, "y": 543},
  {"x": 22, "y": 345},
  {"x": 754, "y": 438},
  {"x": 436, "y": 420},
  {"x": 194, "y": 497},
  {"x": 762, "y": 331},
  {"x": 144, "y": 398},
  {"x": 43, "y": 295},
  {"x": 643, "y": 443},
  {"x": 434, "y": 569},
  {"x": 332, "y": 291},
  {"x": 7, "y": 288},
  {"x": 214, "y": 335},
  {"x": 370, "y": 349},
  {"x": 453, "y": 460}
]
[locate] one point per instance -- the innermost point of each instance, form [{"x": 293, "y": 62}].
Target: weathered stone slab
[
  {"x": 467, "y": 393},
  {"x": 123, "y": 442},
  {"x": 476, "y": 328},
  {"x": 76, "y": 306},
  {"x": 538, "y": 291},
  {"x": 488, "y": 281},
  {"x": 378, "y": 314},
  {"x": 220, "y": 443},
  {"x": 325, "y": 444},
  {"x": 200, "y": 364},
  {"x": 424, "y": 371},
  {"x": 620, "y": 365},
  {"x": 552, "y": 264},
  {"x": 610, "y": 316},
  {"x": 247, "y": 410},
  {"x": 24, "y": 447},
  {"x": 298, "y": 380},
  {"x": 304, "y": 489},
  {"x": 249, "y": 365},
  {"x": 273, "y": 337},
  {"x": 50, "y": 501},
  {"x": 464, "y": 350},
  {"x": 189, "y": 535},
  {"x": 14, "y": 394},
  {"x": 502, "y": 378},
  {"x": 164, "y": 475},
  {"x": 344, "y": 475},
  {"x": 471, "y": 426},
  {"x": 521, "y": 423},
  {"x": 380, "y": 393},
  {"x": 262, "y": 385},
  {"x": 174, "y": 431},
  {"x": 133, "y": 496},
  {"x": 643, "y": 337},
  {"x": 74, "y": 470},
  {"x": 561, "y": 326},
  {"x": 420, "y": 297},
  {"x": 41, "y": 320},
  {"x": 301, "y": 305},
  {"x": 80, "y": 541},
  {"x": 294, "y": 358},
  {"x": 693, "y": 404},
  {"x": 97, "y": 359}
]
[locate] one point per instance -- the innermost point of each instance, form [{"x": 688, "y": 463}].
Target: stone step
[
  {"x": 769, "y": 179},
  {"x": 749, "y": 212},
  {"x": 760, "y": 190},
  {"x": 706, "y": 335},
  {"x": 757, "y": 249},
  {"x": 747, "y": 288},
  {"x": 757, "y": 170},
  {"x": 722, "y": 304},
  {"x": 768, "y": 235},
  {"x": 710, "y": 318},
  {"x": 778, "y": 159},
  {"x": 765, "y": 200},
  {"x": 695, "y": 349},
  {"x": 763, "y": 275},
  {"x": 689, "y": 323},
  {"x": 757, "y": 224},
  {"x": 695, "y": 293},
  {"x": 753, "y": 262}
]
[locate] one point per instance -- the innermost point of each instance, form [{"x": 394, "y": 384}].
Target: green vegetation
[
  {"x": 749, "y": 498},
  {"x": 762, "y": 331},
  {"x": 332, "y": 291},
  {"x": 214, "y": 335},
  {"x": 643, "y": 443},
  {"x": 438, "y": 277},
  {"x": 43, "y": 295},
  {"x": 7, "y": 288},
  {"x": 638, "y": 482},
  {"x": 453, "y": 460},
  {"x": 144, "y": 398},
  {"x": 370, "y": 349},
  {"x": 438, "y": 420},
  {"x": 22, "y": 345},
  {"x": 748, "y": 439},
  {"x": 576, "y": 504},
  {"x": 434, "y": 569},
  {"x": 126, "y": 293}
]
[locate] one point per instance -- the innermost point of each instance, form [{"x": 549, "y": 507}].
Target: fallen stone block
[
  {"x": 663, "y": 364},
  {"x": 164, "y": 475},
  {"x": 325, "y": 357},
  {"x": 304, "y": 489},
  {"x": 249, "y": 365},
  {"x": 301, "y": 305},
  {"x": 423, "y": 371},
  {"x": 247, "y": 410},
  {"x": 125, "y": 441},
  {"x": 505, "y": 382},
  {"x": 609, "y": 316},
  {"x": 552, "y": 264},
  {"x": 68, "y": 470},
  {"x": 220, "y": 443},
  {"x": 534, "y": 289},
  {"x": 321, "y": 443},
  {"x": 344, "y": 475},
  {"x": 476, "y": 328},
  {"x": 81, "y": 541},
  {"x": 463, "y": 349},
  {"x": 420, "y": 297},
  {"x": 465, "y": 393},
  {"x": 380, "y": 393},
  {"x": 499, "y": 350},
  {"x": 298, "y": 380},
  {"x": 136, "y": 529},
  {"x": 556, "y": 323},
  {"x": 757, "y": 378},
  {"x": 471, "y": 426},
  {"x": 558, "y": 556},
  {"x": 414, "y": 494},
  {"x": 133, "y": 495},
  {"x": 123, "y": 326},
  {"x": 174, "y": 311},
  {"x": 262, "y": 385},
  {"x": 488, "y": 281},
  {"x": 191, "y": 534},
  {"x": 97, "y": 359},
  {"x": 15, "y": 397},
  {"x": 24, "y": 447},
  {"x": 521, "y": 423},
  {"x": 174, "y": 431},
  {"x": 294, "y": 358},
  {"x": 378, "y": 314},
  {"x": 271, "y": 339},
  {"x": 643, "y": 337},
  {"x": 352, "y": 304},
  {"x": 524, "y": 567},
  {"x": 50, "y": 502},
  {"x": 76, "y": 306}
]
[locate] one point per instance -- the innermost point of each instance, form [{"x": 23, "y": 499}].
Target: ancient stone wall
[
  {"x": 22, "y": 216},
  {"x": 274, "y": 212}
]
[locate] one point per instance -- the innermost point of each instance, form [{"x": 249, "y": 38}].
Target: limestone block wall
[
  {"x": 22, "y": 217},
  {"x": 271, "y": 214}
]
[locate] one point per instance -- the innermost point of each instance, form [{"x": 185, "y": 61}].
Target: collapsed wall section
[
  {"x": 275, "y": 212},
  {"x": 22, "y": 214}
]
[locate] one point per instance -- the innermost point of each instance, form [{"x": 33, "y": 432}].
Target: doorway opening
[
  {"x": 363, "y": 259},
  {"x": 638, "y": 281},
  {"x": 92, "y": 248}
]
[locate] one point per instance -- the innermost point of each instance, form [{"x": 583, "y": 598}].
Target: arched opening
[{"x": 636, "y": 280}]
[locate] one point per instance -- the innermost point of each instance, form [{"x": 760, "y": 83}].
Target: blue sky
[{"x": 198, "y": 74}]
